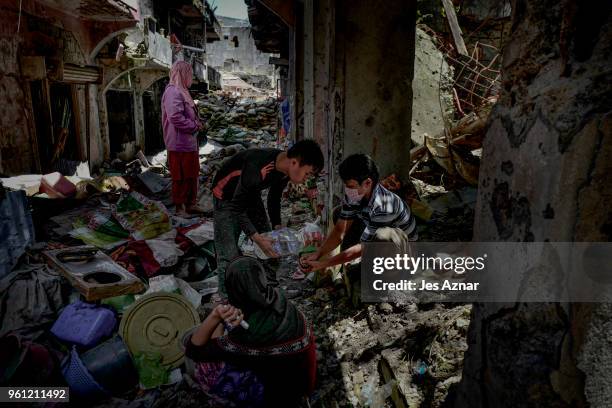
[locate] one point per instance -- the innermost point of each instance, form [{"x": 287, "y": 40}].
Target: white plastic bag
[
  {"x": 311, "y": 233},
  {"x": 165, "y": 251},
  {"x": 172, "y": 284}
]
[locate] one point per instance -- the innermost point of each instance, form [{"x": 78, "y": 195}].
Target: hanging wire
[{"x": 19, "y": 19}]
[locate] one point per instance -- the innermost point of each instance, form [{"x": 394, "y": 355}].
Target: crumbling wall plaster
[
  {"x": 545, "y": 177},
  {"x": 16, "y": 155},
  {"x": 378, "y": 72},
  {"x": 432, "y": 102},
  {"x": 247, "y": 57}
]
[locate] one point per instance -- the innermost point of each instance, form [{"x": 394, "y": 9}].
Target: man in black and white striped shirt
[{"x": 368, "y": 209}]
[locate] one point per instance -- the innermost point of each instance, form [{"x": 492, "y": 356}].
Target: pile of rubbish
[
  {"x": 117, "y": 256},
  {"x": 101, "y": 269},
  {"x": 233, "y": 120}
]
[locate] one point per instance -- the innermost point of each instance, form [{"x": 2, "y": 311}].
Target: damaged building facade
[
  {"x": 335, "y": 74},
  {"x": 83, "y": 81},
  {"x": 545, "y": 154},
  {"x": 236, "y": 51}
]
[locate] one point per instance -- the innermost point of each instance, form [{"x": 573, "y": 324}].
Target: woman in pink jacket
[{"x": 181, "y": 124}]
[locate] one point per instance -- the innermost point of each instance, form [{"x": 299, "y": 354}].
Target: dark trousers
[
  {"x": 227, "y": 233},
  {"x": 353, "y": 237}
]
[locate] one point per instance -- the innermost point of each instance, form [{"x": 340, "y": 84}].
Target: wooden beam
[
  {"x": 309, "y": 62},
  {"x": 468, "y": 131},
  {"x": 454, "y": 26}
]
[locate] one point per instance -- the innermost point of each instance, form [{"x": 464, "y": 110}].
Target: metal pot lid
[{"x": 156, "y": 323}]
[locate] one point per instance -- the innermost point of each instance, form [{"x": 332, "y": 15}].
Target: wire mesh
[{"x": 476, "y": 78}]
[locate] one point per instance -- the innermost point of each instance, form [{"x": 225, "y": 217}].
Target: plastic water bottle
[
  {"x": 285, "y": 242},
  {"x": 420, "y": 368}
]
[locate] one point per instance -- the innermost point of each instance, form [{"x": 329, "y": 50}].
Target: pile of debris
[
  {"x": 239, "y": 120},
  {"x": 260, "y": 81},
  {"x": 104, "y": 264},
  {"x": 72, "y": 305}
]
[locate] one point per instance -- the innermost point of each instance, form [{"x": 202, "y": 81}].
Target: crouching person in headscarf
[
  {"x": 270, "y": 364},
  {"x": 180, "y": 123}
]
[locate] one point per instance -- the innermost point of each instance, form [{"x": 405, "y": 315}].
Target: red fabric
[
  {"x": 311, "y": 364},
  {"x": 185, "y": 170},
  {"x": 181, "y": 240},
  {"x": 137, "y": 258}
]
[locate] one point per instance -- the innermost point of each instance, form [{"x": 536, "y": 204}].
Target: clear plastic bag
[
  {"x": 286, "y": 241},
  {"x": 311, "y": 233}
]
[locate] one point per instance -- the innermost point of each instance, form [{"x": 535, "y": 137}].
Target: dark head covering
[{"x": 271, "y": 317}]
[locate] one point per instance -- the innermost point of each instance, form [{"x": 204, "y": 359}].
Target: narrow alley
[{"x": 208, "y": 202}]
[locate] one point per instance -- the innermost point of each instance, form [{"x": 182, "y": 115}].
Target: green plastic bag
[
  {"x": 150, "y": 370},
  {"x": 119, "y": 303}
]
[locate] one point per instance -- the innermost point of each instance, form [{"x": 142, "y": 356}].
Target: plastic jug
[{"x": 84, "y": 324}]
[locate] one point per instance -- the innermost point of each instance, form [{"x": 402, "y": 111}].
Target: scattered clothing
[
  {"x": 16, "y": 229},
  {"x": 29, "y": 301},
  {"x": 142, "y": 217}
]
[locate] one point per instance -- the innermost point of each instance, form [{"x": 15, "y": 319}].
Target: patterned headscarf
[
  {"x": 181, "y": 77},
  {"x": 271, "y": 317}
]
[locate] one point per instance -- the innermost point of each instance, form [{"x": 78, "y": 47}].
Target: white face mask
[{"x": 353, "y": 196}]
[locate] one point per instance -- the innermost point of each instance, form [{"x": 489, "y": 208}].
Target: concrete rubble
[{"x": 233, "y": 120}]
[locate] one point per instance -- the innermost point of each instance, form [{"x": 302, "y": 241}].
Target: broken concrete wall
[
  {"x": 486, "y": 9},
  {"x": 18, "y": 140},
  {"x": 16, "y": 153},
  {"x": 432, "y": 101},
  {"x": 240, "y": 55},
  {"x": 236, "y": 50},
  {"x": 547, "y": 157},
  {"x": 53, "y": 33},
  {"x": 377, "y": 80}
]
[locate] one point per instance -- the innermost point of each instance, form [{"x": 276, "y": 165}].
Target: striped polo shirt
[{"x": 384, "y": 209}]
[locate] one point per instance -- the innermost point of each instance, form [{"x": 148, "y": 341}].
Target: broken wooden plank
[
  {"x": 469, "y": 131},
  {"x": 454, "y": 26}
]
